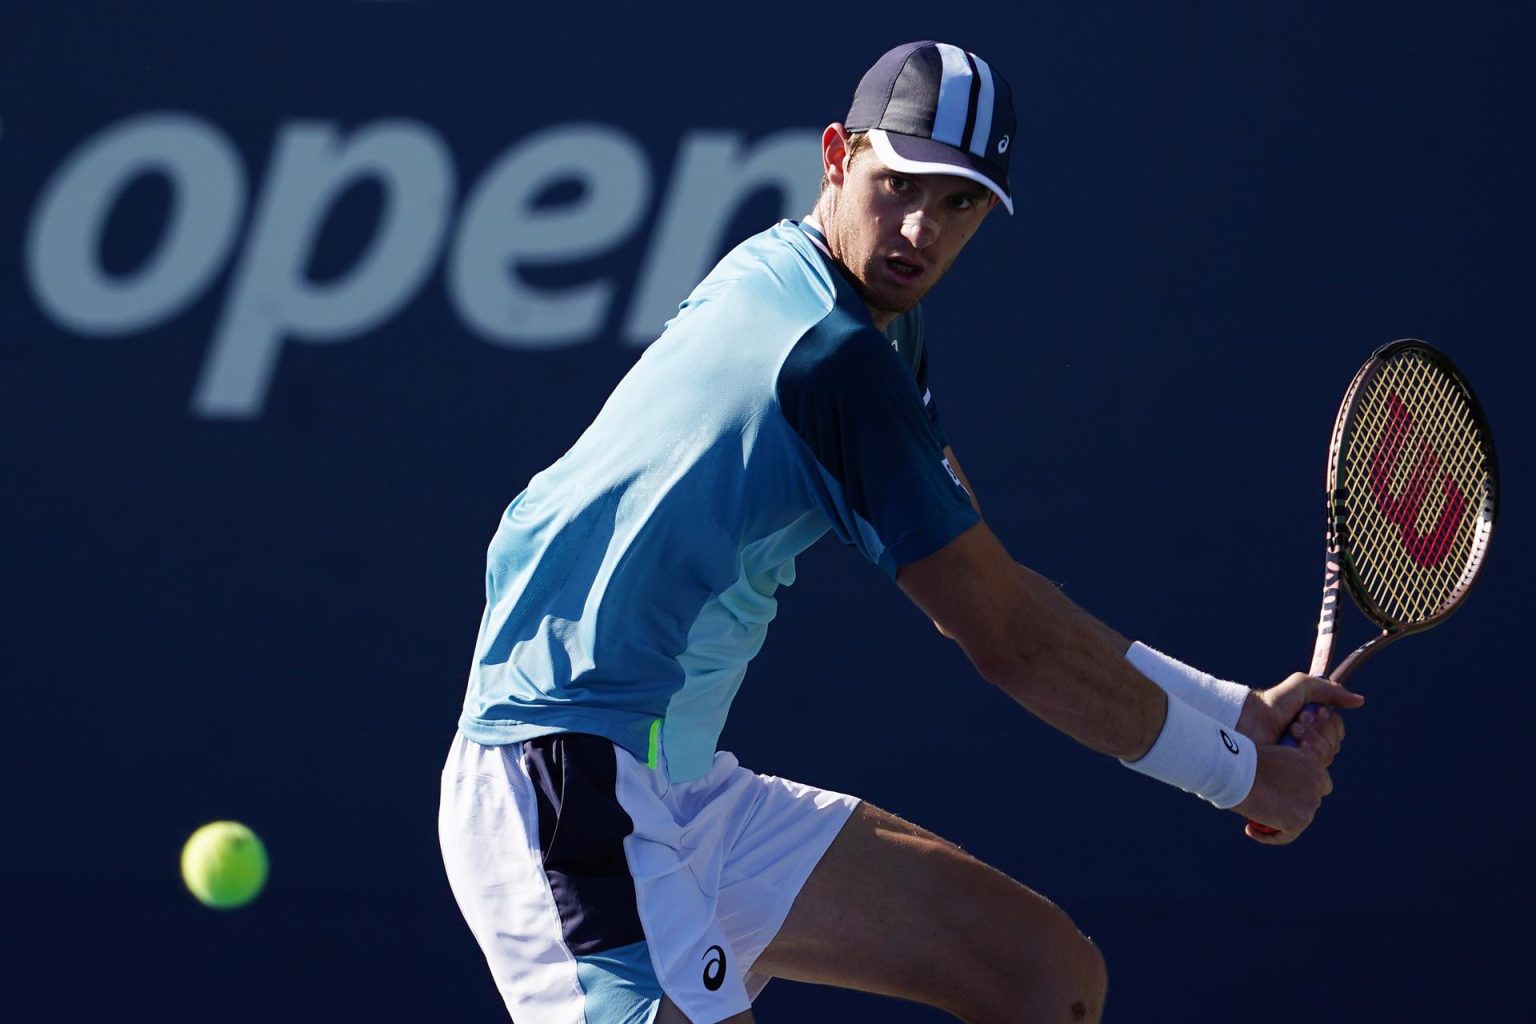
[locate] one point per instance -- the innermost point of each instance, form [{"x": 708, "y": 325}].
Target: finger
[
  {"x": 1322, "y": 729},
  {"x": 1268, "y": 838},
  {"x": 1328, "y": 729},
  {"x": 1314, "y": 745},
  {"x": 1302, "y": 730},
  {"x": 1326, "y": 691},
  {"x": 1322, "y": 783}
]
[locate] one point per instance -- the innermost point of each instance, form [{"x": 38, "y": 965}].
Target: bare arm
[
  {"x": 965, "y": 481},
  {"x": 1069, "y": 669},
  {"x": 1025, "y": 637}
]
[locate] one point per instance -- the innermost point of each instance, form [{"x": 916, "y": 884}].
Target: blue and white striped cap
[{"x": 933, "y": 108}]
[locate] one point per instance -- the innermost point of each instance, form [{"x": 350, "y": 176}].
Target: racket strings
[{"x": 1416, "y": 487}]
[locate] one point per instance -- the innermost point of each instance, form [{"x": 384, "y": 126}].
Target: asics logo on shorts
[{"x": 714, "y": 968}]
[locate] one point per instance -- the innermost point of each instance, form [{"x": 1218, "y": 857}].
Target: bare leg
[
  {"x": 896, "y": 910},
  {"x": 670, "y": 1014}
]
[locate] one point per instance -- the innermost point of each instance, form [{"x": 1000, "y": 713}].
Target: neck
[{"x": 818, "y": 219}]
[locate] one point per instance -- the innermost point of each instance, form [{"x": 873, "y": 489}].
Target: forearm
[
  {"x": 1069, "y": 669},
  {"x": 1028, "y": 639},
  {"x": 1072, "y": 671}
]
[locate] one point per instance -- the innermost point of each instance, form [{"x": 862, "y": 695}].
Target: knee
[
  {"x": 1090, "y": 982},
  {"x": 1069, "y": 980}
]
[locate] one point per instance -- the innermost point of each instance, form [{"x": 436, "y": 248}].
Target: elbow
[{"x": 1006, "y": 665}]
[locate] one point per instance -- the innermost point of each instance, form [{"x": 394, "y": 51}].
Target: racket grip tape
[{"x": 1286, "y": 740}]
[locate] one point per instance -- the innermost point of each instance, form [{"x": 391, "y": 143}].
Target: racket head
[{"x": 1413, "y": 487}]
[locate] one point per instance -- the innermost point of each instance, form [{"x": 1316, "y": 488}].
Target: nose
[{"x": 918, "y": 228}]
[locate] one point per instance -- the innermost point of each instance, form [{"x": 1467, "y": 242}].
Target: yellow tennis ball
[{"x": 224, "y": 864}]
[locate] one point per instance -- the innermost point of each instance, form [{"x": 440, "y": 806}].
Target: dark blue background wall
[{"x": 262, "y": 606}]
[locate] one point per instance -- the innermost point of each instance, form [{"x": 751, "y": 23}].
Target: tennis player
[{"x": 612, "y": 863}]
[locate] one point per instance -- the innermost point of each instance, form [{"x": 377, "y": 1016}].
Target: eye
[{"x": 897, "y": 183}]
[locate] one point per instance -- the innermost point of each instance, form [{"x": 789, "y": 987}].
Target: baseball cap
[{"x": 933, "y": 108}]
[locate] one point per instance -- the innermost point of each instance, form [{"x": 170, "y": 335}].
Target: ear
[{"x": 834, "y": 153}]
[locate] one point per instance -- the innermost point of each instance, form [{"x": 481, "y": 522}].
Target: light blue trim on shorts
[{"x": 620, "y": 985}]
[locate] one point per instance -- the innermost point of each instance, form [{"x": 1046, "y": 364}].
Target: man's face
[{"x": 898, "y": 234}]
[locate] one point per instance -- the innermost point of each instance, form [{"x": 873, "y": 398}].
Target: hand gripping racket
[{"x": 1413, "y": 489}]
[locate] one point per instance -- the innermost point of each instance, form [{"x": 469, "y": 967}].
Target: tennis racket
[{"x": 1413, "y": 488}]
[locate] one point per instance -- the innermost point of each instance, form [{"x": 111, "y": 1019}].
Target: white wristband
[
  {"x": 1212, "y": 697},
  {"x": 1196, "y": 754}
]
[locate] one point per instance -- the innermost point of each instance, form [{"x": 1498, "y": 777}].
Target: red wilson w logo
[{"x": 1402, "y": 507}]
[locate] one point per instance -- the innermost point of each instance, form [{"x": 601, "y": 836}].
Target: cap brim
[{"x": 913, "y": 155}]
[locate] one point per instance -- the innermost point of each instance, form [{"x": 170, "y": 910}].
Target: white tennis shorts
[{"x": 594, "y": 885}]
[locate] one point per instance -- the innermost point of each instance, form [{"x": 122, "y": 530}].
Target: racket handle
[{"x": 1285, "y": 741}]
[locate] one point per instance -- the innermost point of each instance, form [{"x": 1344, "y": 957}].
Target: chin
[
  {"x": 897, "y": 304},
  {"x": 886, "y": 301}
]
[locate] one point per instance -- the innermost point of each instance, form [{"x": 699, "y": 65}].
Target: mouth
[{"x": 902, "y": 270}]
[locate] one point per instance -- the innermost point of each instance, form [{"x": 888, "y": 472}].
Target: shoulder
[
  {"x": 778, "y": 262},
  {"x": 838, "y": 349},
  {"x": 762, "y": 296}
]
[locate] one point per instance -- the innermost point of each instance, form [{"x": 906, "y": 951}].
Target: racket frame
[
  {"x": 1339, "y": 571},
  {"x": 1338, "y": 568}
]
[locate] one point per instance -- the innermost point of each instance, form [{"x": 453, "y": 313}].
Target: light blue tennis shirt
[{"x": 632, "y": 581}]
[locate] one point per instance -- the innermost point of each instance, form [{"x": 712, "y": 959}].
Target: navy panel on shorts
[{"x": 582, "y": 828}]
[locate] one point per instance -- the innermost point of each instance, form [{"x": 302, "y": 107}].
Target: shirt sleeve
[{"x": 874, "y": 459}]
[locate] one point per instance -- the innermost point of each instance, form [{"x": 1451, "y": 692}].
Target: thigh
[{"x": 894, "y": 909}]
